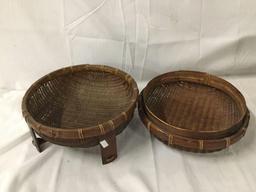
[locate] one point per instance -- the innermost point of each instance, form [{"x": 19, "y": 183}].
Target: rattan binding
[
  {"x": 193, "y": 111},
  {"x": 79, "y": 106}
]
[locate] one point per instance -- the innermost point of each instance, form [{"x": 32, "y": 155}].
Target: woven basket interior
[
  {"x": 79, "y": 100},
  {"x": 193, "y": 106}
]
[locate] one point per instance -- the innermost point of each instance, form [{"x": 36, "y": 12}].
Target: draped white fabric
[{"x": 143, "y": 38}]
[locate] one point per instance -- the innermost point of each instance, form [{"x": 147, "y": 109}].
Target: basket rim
[
  {"x": 205, "y": 79},
  {"x": 83, "y": 132}
]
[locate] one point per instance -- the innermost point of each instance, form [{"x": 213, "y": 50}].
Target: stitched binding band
[
  {"x": 201, "y": 144},
  {"x": 148, "y": 125},
  {"x": 101, "y": 129},
  {"x": 227, "y": 142},
  {"x": 170, "y": 140},
  {"x": 111, "y": 124},
  {"x": 125, "y": 116}
]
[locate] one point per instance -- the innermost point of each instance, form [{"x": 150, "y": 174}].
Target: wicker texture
[
  {"x": 77, "y": 106},
  {"x": 199, "y": 110}
]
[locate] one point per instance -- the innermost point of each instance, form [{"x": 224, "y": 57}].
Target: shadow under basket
[
  {"x": 193, "y": 111},
  {"x": 81, "y": 106}
]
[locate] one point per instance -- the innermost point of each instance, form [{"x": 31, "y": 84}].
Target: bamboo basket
[
  {"x": 193, "y": 111},
  {"x": 81, "y": 106}
]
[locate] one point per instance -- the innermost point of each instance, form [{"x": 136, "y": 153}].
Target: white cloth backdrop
[{"x": 145, "y": 38}]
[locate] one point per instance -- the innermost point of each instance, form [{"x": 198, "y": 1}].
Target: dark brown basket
[
  {"x": 80, "y": 106},
  {"x": 194, "y": 111}
]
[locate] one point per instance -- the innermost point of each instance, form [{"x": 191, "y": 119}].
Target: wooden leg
[
  {"x": 37, "y": 142},
  {"x": 108, "y": 148}
]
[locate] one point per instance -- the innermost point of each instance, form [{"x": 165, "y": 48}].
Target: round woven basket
[
  {"x": 194, "y": 111},
  {"x": 80, "y": 106}
]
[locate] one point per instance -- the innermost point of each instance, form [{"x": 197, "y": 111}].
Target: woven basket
[
  {"x": 80, "y": 106},
  {"x": 193, "y": 111}
]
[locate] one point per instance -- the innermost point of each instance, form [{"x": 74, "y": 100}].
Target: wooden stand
[
  {"x": 109, "y": 153},
  {"x": 37, "y": 142}
]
